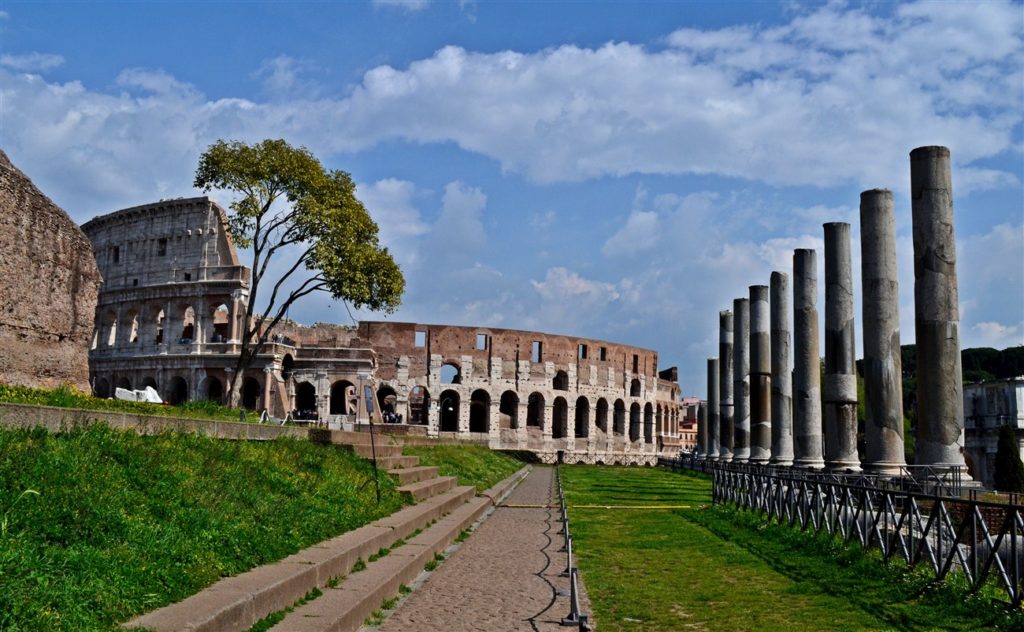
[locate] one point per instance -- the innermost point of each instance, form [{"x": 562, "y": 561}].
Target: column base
[
  {"x": 810, "y": 464},
  {"x": 782, "y": 461},
  {"x": 885, "y": 468},
  {"x": 853, "y": 467}
]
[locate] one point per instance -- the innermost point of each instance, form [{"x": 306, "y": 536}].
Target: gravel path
[{"x": 504, "y": 577}]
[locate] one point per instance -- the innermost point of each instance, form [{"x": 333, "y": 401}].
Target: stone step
[
  {"x": 236, "y": 603},
  {"x": 431, "y": 487},
  {"x": 367, "y": 451},
  {"x": 345, "y": 607},
  {"x": 413, "y": 474},
  {"x": 395, "y": 462}
]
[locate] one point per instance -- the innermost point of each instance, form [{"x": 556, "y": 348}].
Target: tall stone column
[
  {"x": 840, "y": 352},
  {"x": 725, "y": 411},
  {"x": 782, "y": 385},
  {"x": 940, "y": 427},
  {"x": 741, "y": 380},
  {"x": 712, "y": 411},
  {"x": 760, "y": 377},
  {"x": 806, "y": 362},
  {"x": 702, "y": 431},
  {"x": 883, "y": 366}
]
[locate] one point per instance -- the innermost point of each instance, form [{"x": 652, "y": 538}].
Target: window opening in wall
[
  {"x": 481, "y": 342},
  {"x": 420, "y": 339},
  {"x": 159, "y": 327},
  {"x": 582, "y": 352},
  {"x": 188, "y": 326},
  {"x": 161, "y": 248},
  {"x": 133, "y": 333},
  {"x": 221, "y": 326},
  {"x": 451, "y": 374},
  {"x": 188, "y": 276},
  {"x": 135, "y": 282},
  {"x": 636, "y": 363},
  {"x": 536, "y": 351},
  {"x": 604, "y": 354},
  {"x": 117, "y": 254}
]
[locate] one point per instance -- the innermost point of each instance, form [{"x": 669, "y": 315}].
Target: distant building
[{"x": 987, "y": 407}]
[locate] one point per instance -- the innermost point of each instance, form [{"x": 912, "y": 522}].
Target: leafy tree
[
  {"x": 1010, "y": 363},
  {"x": 1009, "y": 467},
  {"x": 308, "y": 221}
]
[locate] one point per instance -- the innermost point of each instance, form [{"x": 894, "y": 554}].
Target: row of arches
[
  {"x": 451, "y": 373},
  {"x": 176, "y": 389},
  {"x": 157, "y": 323}
]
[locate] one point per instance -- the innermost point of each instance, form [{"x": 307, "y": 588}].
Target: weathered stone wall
[{"x": 48, "y": 288}]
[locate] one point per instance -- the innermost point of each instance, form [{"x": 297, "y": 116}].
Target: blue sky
[{"x": 606, "y": 169}]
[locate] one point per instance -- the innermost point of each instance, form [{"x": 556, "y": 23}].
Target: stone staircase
[{"x": 410, "y": 536}]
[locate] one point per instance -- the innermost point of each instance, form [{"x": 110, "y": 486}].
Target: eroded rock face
[{"x": 48, "y": 288}]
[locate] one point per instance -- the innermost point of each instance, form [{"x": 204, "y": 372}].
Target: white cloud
[
  {"x": 283, "y": 78},
  {"x": 391, "y": 204},
  {"x": 407, "y": 5},
  {"x": 998, "y": 335},
  {"x": 30, "y": 62}
]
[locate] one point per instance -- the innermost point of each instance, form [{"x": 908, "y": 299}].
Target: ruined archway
[
  {"x": 509, "y": 409},
  {"x": 343, "y": 395},
  {"x": 535, "y": 411},
  {"x": 419, "y": 404},
  {"x": 648, "y": 423},
  {"x": 451, "y": 373},
  {"x": 560, "y": 381},
  {"x": 449, "y": 403},
  {"x": 601, "y": 419},
  {"x": 479, "y": 411},
  {"x": 101, "y": 387},
  {"x": 387, "y": 400},
  {"x": 177, "y": 392},
  {"x": 634, "y": 422},
  {"x": 582, "y": 425},
  {"x": 305, "y": 400},
  {"x": 124, "y": 383},
  {"x": 619, "y": 418},
  {"x": 634, "y": 388},
  {"x": 251, "y": 392},
  {"x": 559, "y": 418},
  {"x": 214, "y": 389}
]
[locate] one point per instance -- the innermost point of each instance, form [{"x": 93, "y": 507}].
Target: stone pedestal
[
  {"x": 760, "y": 377},
  {"x": 840, "y": 353},
  {"x": 940, "y": 425},
  {"x": 807, "y": 440},
  {"x": 883, "y": 379},
  {"x": 725, "y": 409},
  {"x": 782, "y": 385},
  {"x": 741, "y": 380}
]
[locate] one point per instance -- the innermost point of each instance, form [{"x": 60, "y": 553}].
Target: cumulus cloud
[
  {"x": 30, "y": 62},
  {"x": 391, "y": 204},
  {"x": 284, "y": 77}
]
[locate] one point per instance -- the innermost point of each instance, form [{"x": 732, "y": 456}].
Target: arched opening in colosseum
[
  {"x": 479, "y": 411},
  {"x": 214, "y": 389},
  {"x": 535, "y": 411},
  {"x": 287, "y": 366},
  {"x": 601, "y": 420},
  {"x": 449, "y": 404},
  {"x": 451, "y": 373},
  {"x": 177, "y": 391},
  {"x": 221, "y": 324},
  {"x": 387, "y": 400},
  {"x": 149, "y": 382},
  {"x": 305, "y": 400},
  {"x": 648, "y": 423},
  {"x": 188, "y": 326},
  {"x": 251, "y": 392},
  {"x": 159, "y": 338},
  {"x": 560, "y": 418},
  {"x": 560, "y": 381},
  {"x": 508, "y": 407},
  {"x": 101, "y": 387},
  {"x": 582, "y": 425},
  {"x": 343, "y": 398},
  {"x": 619, "y": 418},
  {"x": 634, "y": 422},
  {"x": 634, "y": 388},
  {"x": 133, "y": 327},
  {"x": 419, "y": 404},
  {"x": 124, "y": 383},
  {"x": 659, "y": 422},
  {"x": 111, "y": 337}
]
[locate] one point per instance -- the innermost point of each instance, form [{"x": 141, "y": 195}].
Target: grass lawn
[
  {"x": 473, "y": 465},
  {"x": 69, "y": 397},
  {"x": 707, "y": 567},
  {"x": 118, "y": 524}
]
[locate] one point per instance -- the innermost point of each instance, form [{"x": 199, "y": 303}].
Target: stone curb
[{"x": 346, "y": 607}]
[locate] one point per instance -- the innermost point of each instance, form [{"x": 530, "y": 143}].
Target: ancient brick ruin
[
  {"x": 171, "y": 309},
  {"x": 48, "y": 287}
]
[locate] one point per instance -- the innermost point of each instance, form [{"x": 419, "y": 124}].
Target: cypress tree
[{"x": 1009, "y": 467}]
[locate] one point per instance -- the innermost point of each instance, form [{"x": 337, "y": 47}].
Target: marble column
[
  {"x": 760, "y": 377},
  {"x": 807, "y": 449},
  {"x": 741, "y": 380},
  {"x": 883, "y": 366},
  {"x": 712, "y": 415},
  {"x": 702, "y": 431},
  {"x": 840, "y": 353},
  {"x": 940, "y": 427},
  {"x": 782, "y": 384},
  {"x": 725, "y": 415}
]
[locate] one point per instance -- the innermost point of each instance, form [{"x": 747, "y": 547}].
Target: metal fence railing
[
  {"x": 575, "y": 618},
  {"x": 923, "y": 517}
]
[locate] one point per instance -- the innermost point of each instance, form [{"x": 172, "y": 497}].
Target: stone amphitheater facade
[{"x": 171, "y": 308}]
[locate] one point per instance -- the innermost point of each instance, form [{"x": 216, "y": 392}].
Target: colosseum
[{"x": 171, "y": 308}]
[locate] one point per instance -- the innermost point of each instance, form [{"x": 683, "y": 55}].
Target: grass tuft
[{"x": 472, "y": 465}]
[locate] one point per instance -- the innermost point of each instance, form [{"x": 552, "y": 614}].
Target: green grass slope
[
  {"x": 68, "y": 397},
  {"x": 117, "y": 524},
  {"x": 472, "y": 465},
  {"x": 703, "y": 567}
]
